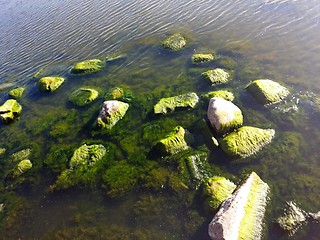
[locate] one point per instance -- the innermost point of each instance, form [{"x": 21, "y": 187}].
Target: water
[{"x": 269, "y": 39}]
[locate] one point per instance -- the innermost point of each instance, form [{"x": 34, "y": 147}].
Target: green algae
[
  {"x": 83, "y": 96},
  {"x": 226, "y": 95},
  {"x": 10, "y": 110},
  {"x": 2, "y": 152},
  {"x": 217, "y": 76},
  {"x": 122, "y": 93},
  {"x": 88, "y": 66},
  {"x": 199, "y": 58},
  {"x": 50, "y": 84},
  {"x": 246, "y": 141},
  {"x": 16, "y": 92},
  {"x": 174, "y": 42},
  {"x": 22, "y": 167}
]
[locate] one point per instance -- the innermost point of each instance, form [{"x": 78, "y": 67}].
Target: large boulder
[
  {"x": 50, "y": 84},
  {"x": 199, "y": 58},
  {"x": 83, "y": 96},
  {"x": 240, "y": 215},
  {"x": 174, "y": 42},
  {"x": 112, "y": 111},
  {"x": 88, "y": 66},
  {"x": 246, "y": 141},
  {"x": 10, "y": 110},
  {"x": 188, "y": 100},
  {"x": 173, "y": 143},
  {"x": 223, "y": 115},
  {"x": 217, "y": 76},
  {"x": 16, "y": 92},
  {"x": 267, "y": 91}
]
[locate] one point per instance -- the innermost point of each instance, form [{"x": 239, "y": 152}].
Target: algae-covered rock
[
  {"x": 16, "y": 92},
  {"x": 88, "y": 66},
  {"x": 83, "y": 96},
  {"x": 21, "y": 168},
  {"x": 117, "y": 57},
  {"x": 241, "y": 215},
  {"x": 174, "y": 42},
  {"x": 50, "y": 84},
  {"x": 217, "y": 76},
  {"x": 10, "y": 110},
  {"x": 215, "y": 190},
  {"x": 199, "y": 58},
  {"x": 219, "y": 94},
  {"x": 119, "y": 93},
  {"x": 173, "y": 143},
  {"x": 246, "y": 141},
  {"x": 223, "y": 115},
  {"x": 112, "y": 111},
  {"x": 20, "y": 155},
  {"x": 267, "y": 91},
  {"x": 2, "y": 151},
  {"x": 188, "y": 100}
]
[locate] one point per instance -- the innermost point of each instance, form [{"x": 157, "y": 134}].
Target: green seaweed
[
  {"x": 83, "y": 96},
  {"x": 220, "y": 94}
]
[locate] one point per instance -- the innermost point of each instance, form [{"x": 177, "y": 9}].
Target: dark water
[{"x": 272, "y": 39}]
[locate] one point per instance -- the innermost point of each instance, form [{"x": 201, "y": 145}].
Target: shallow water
[{"x": 266, "y": 39}]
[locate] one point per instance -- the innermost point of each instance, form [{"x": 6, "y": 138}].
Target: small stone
[
  {"x": 50, "y": 84},
  {"x": 174, "y": 42},
  {"x": 17, "y": 92},
  {"x": 112, "y": 111},
  {"x": 199, "y": 58},
  {"x": 21, "y": 168},
  {"x": 88, "y": 66},
  {"x": 83, "y": 96},
  {"x": 10, "y": 110},
  {"x": 217, "y": 76}
]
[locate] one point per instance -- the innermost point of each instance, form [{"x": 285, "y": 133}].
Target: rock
[
  {"x": 21, "y": 168},
  {"x": 173, "y": 143},
  {"x": 226, "y": 95},
  {"x": 10, "y": 110},
  {"x": 20, "y": 155},
  {"x": 50, "y": 84},
  {"x": 2, "y": 151},
  {"x": 292, "y": 218},
  {"x": 223, "y": 115},
  {"x": 199, "y": 58},
  {"x": 226, "y": 62},
  {"x": 217, "y": 76},
  {"x": 314, "y": 216},
  {"x": 112, "y": 111},
  {"x": 240, "y": 215},
  {"x": 119, "y": 93},
  {"x": 83, "y": 96},
  {"x": 188, "y": 100},
  {"x": 267, "y": 91},
  {"x": 1, "y": 207},
  {"x": 216, "y": 189},
  {"x": 246, "y": 141},
  {"x": 88, "y": 66},
  {"x": 16, "y": 92},
  {"x": 174, "y": 42},
  {"x": 116, "y": 57}
]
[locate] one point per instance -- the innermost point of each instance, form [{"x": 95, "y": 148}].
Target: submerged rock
[
  {"x": 226, "y": 95},
  {"x": 10, "y": 110},
  {"x": 16, "y": 92},
  {"x": 223, "y": 115},
  {"x": 2, "y": 151},
  {"x": 88, "y": 66},
  {"x": 20, "y": 155},
  {"x": 173, "y": 143},
  {"x": 119, "y": 93},
  {"x": 246, "y": 141},
  {"x": 21, "y": 168},
  {"x": 83, "y": 96},
  {"x": 112, "y": 111},
  {"x": 217, "y": 76},
  {"x": 116, "y": 57},
  {"x": 216, "y": 189},
  {"x": 240, "y": 215},
  {"x": 188, "y": 100},
  {"x": 267, "y": 91},
  {"x": 50, "y": 84},
  {"x": 174, "y": 42},
  {"x": 199, "y": 58}
]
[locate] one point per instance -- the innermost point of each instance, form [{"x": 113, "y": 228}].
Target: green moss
[
  {"x": 88, "y": 66},
  {"x": 112, "y": 111},
  {"x": 49, "y": 84},
  {"x": 215, "y": 190},
  {"x": 119, "y": 93},
  {"x": 10, "y": 110},
  {"x": 217, "y": 76},
  {"x": 57, "y": 158},
  {"x": 267, "y": 91},
  {"x": 188, "y": 100},
  {"x": 246, "y": 141},
  {"x": 174, "y": 42},
  {"x": 199, "y": 58},
  {"x": 173, "y": 143},
  {"x": 20, "y": 155},
  {"x": 220, "y": 94},
  {"x": 17, "y": 92},
  {"x": 83, "y": 96},
  {"x": 21, "y": 168}
]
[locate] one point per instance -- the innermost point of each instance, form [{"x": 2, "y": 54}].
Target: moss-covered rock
[
  {"x": 199, "y": 58},
  {"x": 246, "y": 141},
  {"x": 112, "y": 111},
  {"x": 223, "y": 115},
  {"x": 2, "y": 152},
  {"x": 10, "y": 110},
  {"x": 267, "y": 91},
  {"x": 16, "y": 92},
  {"x": 173, "y": 143},
  {"x": 219, "y": 94},
  {"x": 83, "y": 96},
  {"x": 188, "y": 100},
  {"x": 21, "y": 168},
  {"x": 174, "y": 42},
  {"x": 88, "y": 66},
  {"x": 215, "y": 190},
  {"x": 20, "y": 155},
  {"x": 119, "y": 93},
  {"x": 217, "y": 76},
  {"x": 50, "y": 84}
]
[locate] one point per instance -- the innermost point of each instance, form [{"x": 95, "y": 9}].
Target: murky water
[{"x": 272, "y": 39}]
